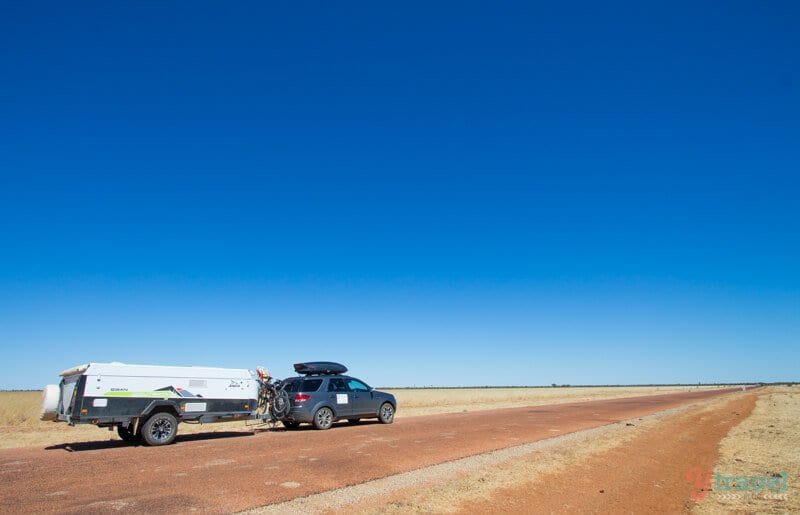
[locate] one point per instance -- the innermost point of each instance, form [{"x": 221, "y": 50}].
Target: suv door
[
  {"x": 339, "y": 397},
  {"x": 361, "y": 397}
]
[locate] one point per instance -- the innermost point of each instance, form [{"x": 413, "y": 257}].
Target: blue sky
[{"x": 449, "y": 194}]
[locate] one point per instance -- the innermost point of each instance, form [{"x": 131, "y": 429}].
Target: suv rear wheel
[{"x": 323, "y": 418}]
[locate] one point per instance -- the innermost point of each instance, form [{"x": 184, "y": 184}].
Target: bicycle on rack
[{"x": 272, "y": 398}]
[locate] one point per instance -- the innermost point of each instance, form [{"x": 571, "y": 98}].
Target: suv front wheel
[
  {"x": 323, "y": 418},
  {"x": 386, "y": 413}
]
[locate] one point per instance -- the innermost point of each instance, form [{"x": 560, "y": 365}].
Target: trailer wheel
[
  {"x": 127, "y": 435},
  {"x": 323, "y": 418},
  {"x": 160, "y": 429},
  {"x": 290, "y": 424},
  {"x": 386, "y": 413}
]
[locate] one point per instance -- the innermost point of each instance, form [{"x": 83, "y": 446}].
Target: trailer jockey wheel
[{"x": 160, "y": 429}]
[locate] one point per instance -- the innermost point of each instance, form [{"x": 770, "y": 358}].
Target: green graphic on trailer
[{"x": 164, "y": 394}]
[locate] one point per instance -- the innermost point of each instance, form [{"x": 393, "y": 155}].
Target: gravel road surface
[{"x": 226, "y": 472}]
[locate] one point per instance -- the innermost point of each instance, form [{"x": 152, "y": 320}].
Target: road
[
  {"x": 648, "y": 474},
  {"x": 225, "y": 472}
]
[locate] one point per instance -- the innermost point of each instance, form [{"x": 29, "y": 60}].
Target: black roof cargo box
[{"x": 320, "y": 367}]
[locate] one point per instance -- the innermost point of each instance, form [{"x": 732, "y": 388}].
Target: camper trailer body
[{"x": 116, "y": 394}]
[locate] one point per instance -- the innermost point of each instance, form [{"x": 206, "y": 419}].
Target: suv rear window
[
  {"x": 304, "y": 385},
  {"x": 311, "y": 385}
]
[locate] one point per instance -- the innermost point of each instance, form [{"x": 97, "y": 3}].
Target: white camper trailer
[{"x": 147, "y": 401}]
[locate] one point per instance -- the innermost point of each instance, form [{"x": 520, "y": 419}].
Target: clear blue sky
[{"x": 431, "y": 193}]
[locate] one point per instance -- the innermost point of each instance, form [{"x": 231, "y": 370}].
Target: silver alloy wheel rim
[
  {"x": 324, "y": 417},
  {"x": 161, "y": 429},
  {"x": 386, "y": 413}
]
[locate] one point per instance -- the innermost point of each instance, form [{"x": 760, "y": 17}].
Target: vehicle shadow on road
[
  {"x": 308, "y": 427},
  {"x": 115, "y": 444}
]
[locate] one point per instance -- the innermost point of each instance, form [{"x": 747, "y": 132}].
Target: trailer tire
[
  {"x": 127, "y": 435},
  {"x": 290, "y": 424},
  {"x": 160, "y": 429}
]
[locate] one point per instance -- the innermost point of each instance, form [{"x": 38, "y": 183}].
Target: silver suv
[{"x": 321, "y": 398}]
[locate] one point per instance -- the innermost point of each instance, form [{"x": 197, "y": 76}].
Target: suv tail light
[{"x": 300, "y": 397}]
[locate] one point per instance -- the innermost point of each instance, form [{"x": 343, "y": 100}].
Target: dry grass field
[{"x": 20, "y": 425}]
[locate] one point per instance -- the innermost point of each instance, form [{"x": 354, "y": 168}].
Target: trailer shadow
[{"x": 116, "y": 444}]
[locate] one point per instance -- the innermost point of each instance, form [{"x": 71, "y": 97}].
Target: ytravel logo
[{"x": 774, "y": 485}]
